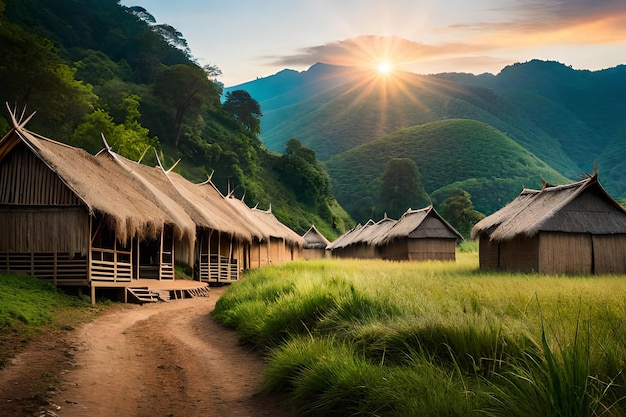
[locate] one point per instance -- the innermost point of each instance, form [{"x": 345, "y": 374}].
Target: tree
[
  {"x": 129, "y": 139},
  {"x": 245, "y": 109},
  {"x": 402, "y": 187},
  {"x": 302, "y": 172},
  {"x": 187, "y": 90},
  {"x": 33, "y": 74},
  {"x": 457, "y": 208}
]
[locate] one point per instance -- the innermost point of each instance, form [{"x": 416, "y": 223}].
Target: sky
[{"x": 250, "y": 39}]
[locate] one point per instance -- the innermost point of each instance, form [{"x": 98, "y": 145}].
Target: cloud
[
  {"x": 553, "y": 22},
  {"x": 371, "y": 50}
]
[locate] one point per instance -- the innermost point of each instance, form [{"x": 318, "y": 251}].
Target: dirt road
[{"x": 167, "y": 359}]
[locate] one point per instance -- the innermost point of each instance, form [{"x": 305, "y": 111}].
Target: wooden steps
[
  {"x": 198, "y": 292},
  {"x": 144, "y": 295}
]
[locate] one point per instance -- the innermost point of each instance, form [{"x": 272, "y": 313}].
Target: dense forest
[{"x": 92, "y": 68}]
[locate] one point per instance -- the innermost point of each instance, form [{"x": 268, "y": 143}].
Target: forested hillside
[
  {"x": 454, "y": 154},
  {"x": 564, "y": 119},
  {"x": 92, "y": 67}
]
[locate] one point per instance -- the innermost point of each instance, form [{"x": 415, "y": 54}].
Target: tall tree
[
  {"x": 187, "y": 90},
  {"x": 457, "y": 208},
  {"x": 245, "y": 109},
  {"x": 402, "y": 187}
]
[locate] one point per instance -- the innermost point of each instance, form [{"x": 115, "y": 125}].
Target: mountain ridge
[{"x": 569, "y": 119}]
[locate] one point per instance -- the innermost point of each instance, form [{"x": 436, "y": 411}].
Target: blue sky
[{"x": 248, "y": 39}]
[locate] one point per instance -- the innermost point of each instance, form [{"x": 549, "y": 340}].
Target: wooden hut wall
[
  {"x": 609, "y": 254},
  {"x": 44, "y": 226},
  {"x": 488, "y": 253},
  {"x": 259, "y": 253},
  {"x": 315, "y": 253},
  {"x": 397, "y": 250},
  {"x": 363, "y": 250},
  {"x": 520, "y": 254},
  {"x": 431, "y": 249},
  {"x": 432, "y": 227},
  {"x": 277, "y": 250},
  {"x": 565, "y": 253},
  {"x": 46, "y": 242},
  {"x": 296, "y": 252},
  {"x": 26, "y": 180}
]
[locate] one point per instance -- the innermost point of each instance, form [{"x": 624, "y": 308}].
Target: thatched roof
[
  {"x": 101, "y": 188},
  {"x": 580, "y": 207},
  {"x": 352, "y": 236},
  {"x": 154, "y": 187},
  {"x": 413, "y": 224},
  {"x": 263, "y": 224},
  {"x": 213, "y": 211},
  {"x": 345, "y": 239},
  {"x": 203, "y": 204},
  {"x": 377, "y": 233},
  {"x": 278, "y": 229},
  {"x": 314, "y": 239}
]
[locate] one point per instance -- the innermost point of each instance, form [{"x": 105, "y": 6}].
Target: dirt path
[{"x": 167, "y": 359}]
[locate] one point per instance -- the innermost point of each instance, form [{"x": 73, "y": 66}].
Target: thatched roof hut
[
  {"x": 315, "y": 244},
  {"x": 130, "y": 212},
  {"x": 576, "y": 228},
  {"x": 421, "y": 235},
  {"x": 314, "y": 239},
  {"x": 75, "y": 219},
  {"x": 273, "y": 242}
]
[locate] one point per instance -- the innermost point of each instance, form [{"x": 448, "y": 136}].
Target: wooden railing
[
  {"x": 219, "y": 269},
  {"x": 110, "y": 265},
  {"x": 58, "y": 268}
]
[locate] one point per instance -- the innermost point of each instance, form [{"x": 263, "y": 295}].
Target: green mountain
[
  {"x": 568, "y": 119},
  {"x": 93, "y": 66},
  {"x": 454, "y": 153}
]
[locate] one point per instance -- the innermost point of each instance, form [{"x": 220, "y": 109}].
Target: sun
[{"x": 384, "y": 68}]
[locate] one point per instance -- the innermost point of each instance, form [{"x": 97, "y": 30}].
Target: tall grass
[{"x": 433, "y": 338}]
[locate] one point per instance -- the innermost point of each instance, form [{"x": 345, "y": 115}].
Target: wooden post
[
  {"x": 114, "y": 259},
  {"x": 219, "y": 256},
  {"x": 54, "y": 268},
  {"x": 138, "y": 260},
  {"x": 89, "y": 249},
  {"x": 161, "y": 251},
  {"x": 93, "y": 294}
]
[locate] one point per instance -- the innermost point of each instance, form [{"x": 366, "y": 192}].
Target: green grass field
[
  {"x": 29, "y": 306},
  {"x": 379, "y": 338}
]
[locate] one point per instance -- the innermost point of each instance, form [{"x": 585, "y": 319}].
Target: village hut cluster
[
  {"x": 418, "y": 235},
  {"x": 573, "y": 229},
  {"x": 103, "y": 221}
]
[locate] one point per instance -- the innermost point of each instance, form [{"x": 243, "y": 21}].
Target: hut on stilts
[{"x": 105, "y": 223}]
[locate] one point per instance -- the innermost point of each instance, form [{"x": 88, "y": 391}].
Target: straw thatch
[
  {"x": 314, "y": 239},
  {"x": 129, "y": 212},
  {"x": 146, "y": 180},
  {"x": 211, "y": 208},
  {"x": 277, "y": 229}
]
